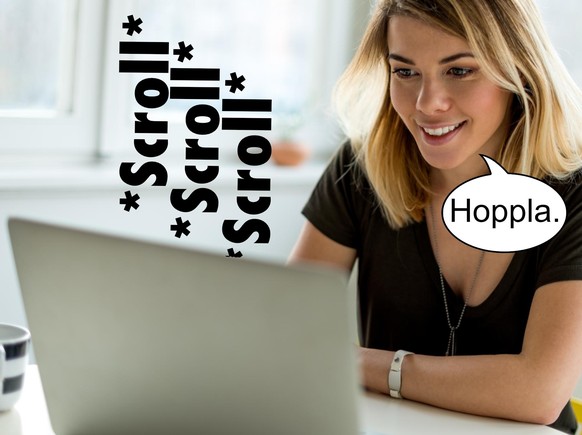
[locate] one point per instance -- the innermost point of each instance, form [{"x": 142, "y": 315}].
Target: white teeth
[{"x": 440, "y": 131}]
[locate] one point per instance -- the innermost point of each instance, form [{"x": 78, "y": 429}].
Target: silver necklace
[{"x": 452, "y": 344}]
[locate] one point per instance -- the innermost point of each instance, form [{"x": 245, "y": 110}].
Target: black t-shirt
[{"x": 400, "y": 298}]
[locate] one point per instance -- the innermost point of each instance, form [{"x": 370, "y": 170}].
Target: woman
[{"x": 434, "y": 84}]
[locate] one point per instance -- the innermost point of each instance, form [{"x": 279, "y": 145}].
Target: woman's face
[{"x": 437, "y": 87}]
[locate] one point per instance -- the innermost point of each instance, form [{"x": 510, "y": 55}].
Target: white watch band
[{"x": 395, "y": 374}]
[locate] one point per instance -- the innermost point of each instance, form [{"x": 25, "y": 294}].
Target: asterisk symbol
[
  {"x": 130, "y": 201},
  {"x": 180, "y": 228},
  {"x": 235, "y": 82},
  {"x": 183, "y": 51},
  {"x": 132, "y": 25}
]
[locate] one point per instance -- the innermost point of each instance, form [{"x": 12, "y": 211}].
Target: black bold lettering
[
  {"x": 247, "y": 182},
  {"x": 194, "y": 93},
  {"x": 143, "y": 47},
  {"x": 143, "y": 66},
  {"x": 246, "y": 105},
  {"x": 246, "y": 124},
  {"x": 254, "y": 142},
  {"x": 253, "y": 207},
  {"x": 246, "y": 231},
  {"x": 140, "y": 176},
  {"x": 195, "y": 74},
  {"x": 197, "y": 152},
  {"x": 150, "y": 150},
  {"x": 196, "y": 198},
  {"x": 145, "y": 125},
  {"x": 202, "y": 111},
  {"x": 201, "y": 177},
  {"x": 151, "y": 101}
]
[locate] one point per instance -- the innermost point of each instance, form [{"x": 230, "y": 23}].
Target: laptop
[{"x": 132, "y": 337}]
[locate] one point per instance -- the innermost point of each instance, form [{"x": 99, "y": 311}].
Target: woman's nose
[{"x": 433, "y": 98}]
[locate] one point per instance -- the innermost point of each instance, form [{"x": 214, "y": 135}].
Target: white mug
[{"x": 14, "y": 350}]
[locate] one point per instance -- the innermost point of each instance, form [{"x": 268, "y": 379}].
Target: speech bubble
[{"x": 503, "y": 212}]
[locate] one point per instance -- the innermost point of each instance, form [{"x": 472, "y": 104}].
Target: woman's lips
[{"x": 436, "y": 140}]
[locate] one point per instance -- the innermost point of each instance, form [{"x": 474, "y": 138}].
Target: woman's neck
[{"x": 444, "y": 181}]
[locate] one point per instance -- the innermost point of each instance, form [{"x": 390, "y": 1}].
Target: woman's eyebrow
[
  {"x": 400, "y": 58},
  {"x": 441, "y": 62},
  {"x": 455, "y": 57}
]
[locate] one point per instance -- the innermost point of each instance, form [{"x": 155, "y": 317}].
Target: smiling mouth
[{"x": 441, "y": 131}]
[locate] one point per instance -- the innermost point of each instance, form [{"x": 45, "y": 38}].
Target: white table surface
[{"x": 380, "y": 416}]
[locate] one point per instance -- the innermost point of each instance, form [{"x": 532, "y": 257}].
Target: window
[
  {"x": 562, "y": 23},
  {"x": 49, "y": 77},
  {"x": 289, "y": 51},
  {"x": 63, "y": 96},
  {"x": 274, "y": 43},
  {"x": 30, "y": 75}
]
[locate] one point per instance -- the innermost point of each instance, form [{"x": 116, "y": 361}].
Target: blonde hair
[{"x": 509, "y": 41}]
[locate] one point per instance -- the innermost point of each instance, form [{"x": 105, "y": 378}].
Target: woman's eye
[
  {"x": 460, "y": 72},
  {"x": 403, "y": 73}
]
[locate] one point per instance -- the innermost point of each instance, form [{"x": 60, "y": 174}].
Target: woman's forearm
[{"x": 491, "y": 385}]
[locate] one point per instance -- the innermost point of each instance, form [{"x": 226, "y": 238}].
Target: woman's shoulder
[
  {"x": 347, "y": 173},
  {"x": 345, "y": 155},
  {"x": 344, "y": 164}
]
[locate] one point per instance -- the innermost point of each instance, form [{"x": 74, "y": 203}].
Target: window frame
[
  {"x": 89, "y": 128},
  {"x": 71, "y": 131}
]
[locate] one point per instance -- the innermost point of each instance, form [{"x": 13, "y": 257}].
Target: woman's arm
[
  {"x": 533, "y": 386},
  {"x": 315, "y": 247}
]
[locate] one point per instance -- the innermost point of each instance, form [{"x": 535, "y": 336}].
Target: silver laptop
[{"x": 138, "y": 338}]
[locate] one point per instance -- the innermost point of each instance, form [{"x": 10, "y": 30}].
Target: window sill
[{"x": 83, "y": 176}]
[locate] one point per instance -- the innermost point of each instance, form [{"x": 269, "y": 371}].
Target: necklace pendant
[{"x": 452, "y": 345}]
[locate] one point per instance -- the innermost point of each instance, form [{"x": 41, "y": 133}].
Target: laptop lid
[{"x": 135, "y": 337}]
